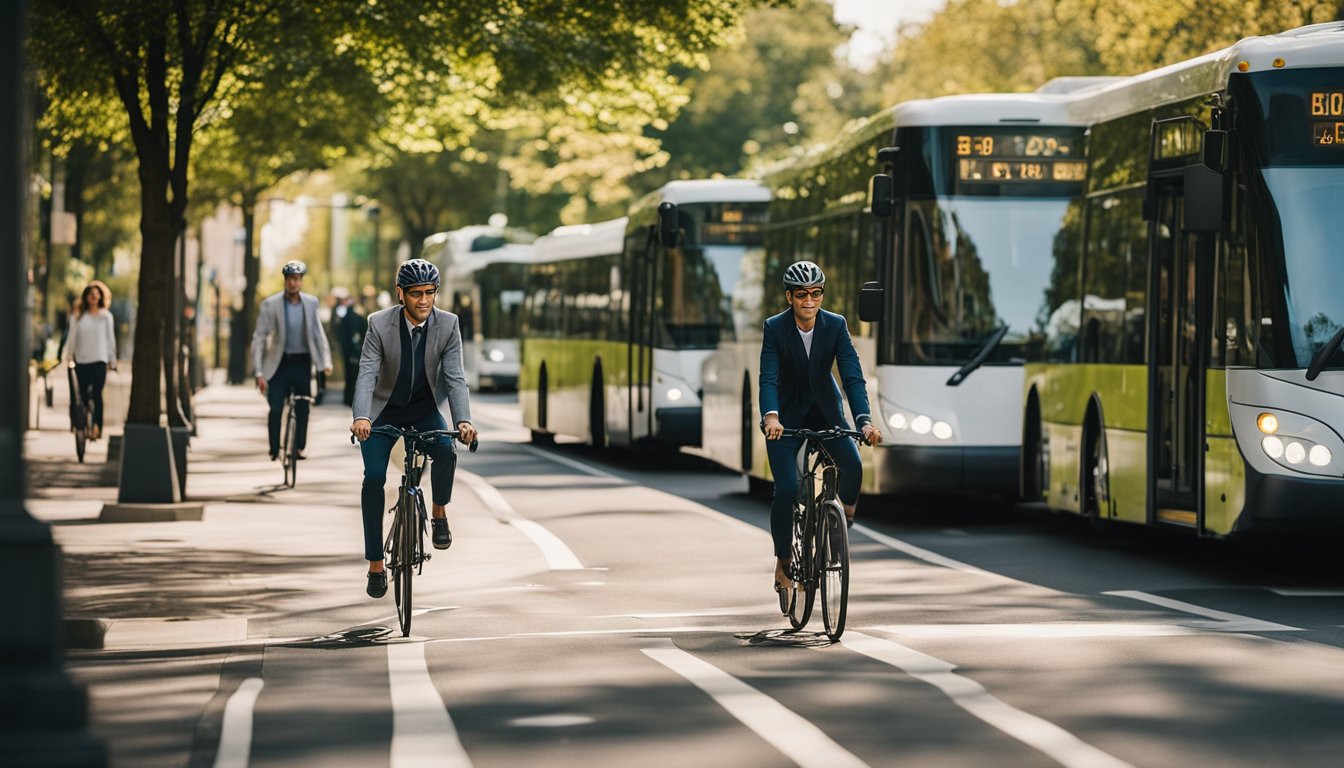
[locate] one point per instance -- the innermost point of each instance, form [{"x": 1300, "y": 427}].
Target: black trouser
[
  {"x": 376, "y": 450},
  {"x": 295, "y": 374},
  {"x": 91, "y": 378}
]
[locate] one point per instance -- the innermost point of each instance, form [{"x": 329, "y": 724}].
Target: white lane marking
[
  {"x": 1307, "y": 592},
  {"x": 422, "y": 731},
  {"x": 678, "y": 615},
  {"x": 235, "y": 735},
  {"x": 1031, "y": 730},
  {"x": 595, "y": 633},
  {"x": 571, "y": 463},
  {"x": 1221, "y": 620},
  {"x": 799, "y": 740},
  {"x": 924, "y": 554},
  {"x": 559, "y": 557},
  {"x": 552, "y": 721},
  {"x": 1091, "y": 629}
]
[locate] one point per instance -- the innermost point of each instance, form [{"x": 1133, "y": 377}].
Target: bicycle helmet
[
  {"x": 417, "y": 272},
  {"x": 802, "y": 274},
  {"x": 294, "y": 268}
]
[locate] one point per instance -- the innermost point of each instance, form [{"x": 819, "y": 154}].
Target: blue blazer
[{"x": 786, "y": 366}]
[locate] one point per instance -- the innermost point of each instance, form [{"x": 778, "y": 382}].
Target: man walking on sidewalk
[{"x": 288, "y": 340}]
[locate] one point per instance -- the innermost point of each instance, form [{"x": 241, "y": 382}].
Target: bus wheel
[
  {"x": 597, "y": 409},
  {"x": 1035, "y": 453},
  {"x": 1096, "y": 480}
]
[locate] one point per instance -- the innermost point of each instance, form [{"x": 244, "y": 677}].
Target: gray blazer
[
  {"x": 380, "y": 364},
  {"x": 271, "y": 327}
]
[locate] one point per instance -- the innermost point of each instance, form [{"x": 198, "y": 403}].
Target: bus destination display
[
  {"x": 999, "y": 158},
  {"x": 1327, "y": 104}
]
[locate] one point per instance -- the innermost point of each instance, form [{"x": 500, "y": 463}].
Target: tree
[{"x": 168, "y": 62}]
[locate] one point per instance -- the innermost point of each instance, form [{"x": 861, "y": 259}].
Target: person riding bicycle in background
[
  {"x": 288, "y": 339},
  {"x": 798, "y": 350},
  {"x": 91, "y": 348},
  {"x": 409, "y": 368}
]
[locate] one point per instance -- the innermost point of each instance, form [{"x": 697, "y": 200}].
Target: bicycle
[
  {"x": 405, "y": 544},
  {"x": 820, "y": 548},
  {"x": 81, "y": 415},
  {"x": 289, "y": 438}
]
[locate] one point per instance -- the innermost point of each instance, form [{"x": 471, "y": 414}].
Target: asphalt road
[{"x": 610, "y": 609}]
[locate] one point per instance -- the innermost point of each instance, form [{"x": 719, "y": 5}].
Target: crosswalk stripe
[
  {"x": 799, "y": 740},
  {"x": 1036, "y": 732},
  {"x": 423, "y": 735}
]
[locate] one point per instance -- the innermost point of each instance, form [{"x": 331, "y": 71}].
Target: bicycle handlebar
[
  {"x": 423, "y": 437},
  {"x": 825, "y": 434}
]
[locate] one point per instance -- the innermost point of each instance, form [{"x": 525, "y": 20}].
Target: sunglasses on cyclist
[{"x": 815, "y": 293}]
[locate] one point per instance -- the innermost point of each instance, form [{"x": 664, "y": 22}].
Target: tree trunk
[
  {"x": 243, "y": 321},
  {"x": 158, "y": 232}
]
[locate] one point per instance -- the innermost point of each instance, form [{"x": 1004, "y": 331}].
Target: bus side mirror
[
  {"x": 870, "y": 302},
  {"x": 881, "y": 198},
  {"x": 669, "y": 224},
  {"x": 1203, "y": 199}
]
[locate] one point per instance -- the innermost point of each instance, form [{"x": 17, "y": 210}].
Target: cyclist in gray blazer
[
  {"x": 410, "y": 369},
  {"x": 286, "y": 344}
]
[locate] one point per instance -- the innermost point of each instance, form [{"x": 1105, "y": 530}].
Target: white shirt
[
  {"x": 807, "y": 340},
  {"x": 92, "y": 339}
]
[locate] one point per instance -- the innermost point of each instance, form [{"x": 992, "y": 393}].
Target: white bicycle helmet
[
  {"x": 294, "y": 268},
  {"x": 802, "y": 274}
]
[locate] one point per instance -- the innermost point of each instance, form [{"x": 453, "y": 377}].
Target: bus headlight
[
  {"x": 674, "y": 394},
  {"x": 922, "y": 424},
  {"x": 897, "y": 421},
  {"x": 1294, "y": 453},
  {"x": 942, "y": 430},
  {"x": 1319, "y": 455},
  {"x": 1268, "y": 423},
  {"x": 496, "y": 355},
  {"x": 1273, "y": 446}
]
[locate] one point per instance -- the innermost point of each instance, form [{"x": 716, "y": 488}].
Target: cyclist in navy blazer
[{"x": 798, "y": 350}]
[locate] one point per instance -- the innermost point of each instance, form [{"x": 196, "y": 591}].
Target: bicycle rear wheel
[
  {"x": 289, "y": 454},
  {"x": 404, "y": 559},
  {"x": 803, "y": 566},
  {"x": 833, "y": 564},
  {"x": 81, "y": 430}
]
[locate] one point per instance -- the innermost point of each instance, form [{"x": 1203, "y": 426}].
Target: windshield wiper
[
  {"x": 978, "y": 359},
  {"x": 1323, "y": 355}
]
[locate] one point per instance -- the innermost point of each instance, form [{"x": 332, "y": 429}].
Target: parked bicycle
[
  {"x": 405, "y": 544},
  {"x": 289, "y": 437},
  {"x": 81, "y": 416},
  {"x": 820, "y": 548}
]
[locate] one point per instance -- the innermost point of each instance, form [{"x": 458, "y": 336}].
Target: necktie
[{"x": 417, "y": 336}]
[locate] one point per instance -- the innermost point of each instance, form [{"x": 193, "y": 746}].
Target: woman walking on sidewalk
[{"x": 92, "y": 349}]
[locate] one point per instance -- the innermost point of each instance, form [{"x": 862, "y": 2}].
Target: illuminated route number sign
[
  {"x": 1327, "y": 104},
  {"x": 1024, "y": 157}
]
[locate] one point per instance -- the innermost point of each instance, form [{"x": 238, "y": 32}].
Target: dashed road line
[
  {"x": 924, "y": 554},
  {"x": 1036, "y": 631},
  {"x": 799, "y": 740},
  {"x": 235, "y": 736},
  {"x": 1220, "y": 621},
  {"x": 422, "y": 730},
  {"x": 1059, "y": 744}
]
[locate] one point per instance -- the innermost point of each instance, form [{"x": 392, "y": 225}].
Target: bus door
[
  {"x": 643, "y": 271},
  {"x": 1179, "y": 323}
]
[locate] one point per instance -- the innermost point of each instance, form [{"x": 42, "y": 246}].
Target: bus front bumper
[
  {"x": 916, "y": 468},
  {"x": 1292, "y": 503}
]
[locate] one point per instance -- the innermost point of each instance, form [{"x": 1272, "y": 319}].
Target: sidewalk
[{"x": 259, "y": 550}]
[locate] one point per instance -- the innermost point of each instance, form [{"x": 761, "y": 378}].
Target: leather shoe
[
  {"x": 377, "y": 584},
  {"x": 300, "y": 456},
  {"x": 442, "y": 537}
]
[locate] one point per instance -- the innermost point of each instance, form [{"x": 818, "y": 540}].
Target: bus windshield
[
  {"x": 975, "y": 264},
  {"x": 1308, "y": 201},
  {"x": 698, "y": 293}
]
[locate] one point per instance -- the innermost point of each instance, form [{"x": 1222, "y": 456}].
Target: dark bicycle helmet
[
  {"x": 803, "y": 273},
  {"x": 294, "y": 268},
  {"x": 417, "y": 272}
]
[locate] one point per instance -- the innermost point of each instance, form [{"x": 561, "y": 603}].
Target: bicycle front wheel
[
  {"x": 404, "y": 557},
  {"x": 289, "y": 453},
  {"x": 803, "y": 566},
  {"x": 833, "y": 564},
  {"x": 81, "y": 431}
]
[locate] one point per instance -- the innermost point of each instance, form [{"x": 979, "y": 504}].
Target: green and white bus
[
  {"x": 1194, "y": 317},
  {"x": 975, "y": 198},
  {"x": 485, "y": 290},
  {"x": 620, "y": 315}
]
